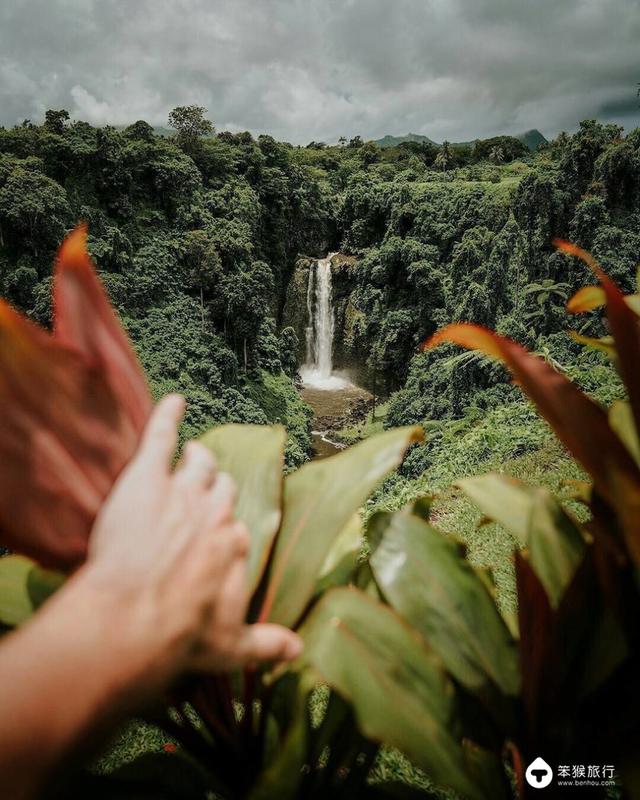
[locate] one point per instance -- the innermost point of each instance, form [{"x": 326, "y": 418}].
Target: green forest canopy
[{"x": 197, "y": 237}]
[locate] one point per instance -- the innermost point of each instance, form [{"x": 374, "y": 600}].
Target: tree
[
  {"x": 496, "y": 155},
  {"x": 203, "y": 265},
  {"x": 342, "y": 141},
  {"x": 584, "y": 148},
  {"x": 508, "y": 147},
  {"x": 140, "y": 130},
  {"x": 289, "y": 345},
  {"x": 33, "y": 210},
  {"x": 537, "y": 207},
  {"x": 618, "y": 170},
  {"x": 20, "y": 286},
  {"x": 245, "y": 294},
  {"x": 590, "y": 214},
  {"x": 55, "y": 120},
  {"x": 444, "y": 159},
  {"x": 190, "y": 124},
  {"x": 369, "y": 154},
  {"x": 175, "y": 178},
  {"x": 395, "y": 343}
]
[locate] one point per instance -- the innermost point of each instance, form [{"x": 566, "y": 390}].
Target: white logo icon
[{"x": 539, "y": 774}]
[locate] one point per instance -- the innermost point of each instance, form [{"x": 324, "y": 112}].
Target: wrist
[
  {"x": 121, "y": 630},
  {"x": 88, "y": 659}
]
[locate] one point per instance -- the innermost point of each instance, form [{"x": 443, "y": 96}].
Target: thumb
[
  {"x": 160, "y": 437},
  {"x": 268, "y": 642}
]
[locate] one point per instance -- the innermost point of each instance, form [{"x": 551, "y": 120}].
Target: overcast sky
[{"x": 317, "y": 69}]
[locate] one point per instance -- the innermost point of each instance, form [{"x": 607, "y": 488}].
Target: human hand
[
  {"x": 167, "y": 544},
  {"x": 162, "y": 593}
]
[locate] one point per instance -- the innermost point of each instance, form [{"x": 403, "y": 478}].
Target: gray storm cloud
[{"x": 312, "y": 69}]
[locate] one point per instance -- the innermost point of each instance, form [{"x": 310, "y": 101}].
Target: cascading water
[{"x": 318, "y": 369}]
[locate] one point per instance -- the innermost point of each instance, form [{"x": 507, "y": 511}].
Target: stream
[
  {"x": 329, "y": 406},
  {"x": 331, "y": 394}
]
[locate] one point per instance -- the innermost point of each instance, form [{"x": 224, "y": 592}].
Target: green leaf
[
  {"x": 319, "y": 500},
  {"x": 426, "y": 578},
  {"x": 534, "y": 516},
  {"x": 24, "y": 586},
  {"x": 42, "y": 583},
  {"x": 342, "y": 559},
  {"x": 283, "y": 775},
  {"x": 16, "y": 605},
  {"x": 622, "y": 422},
  {"x": 488, "y": 772},
  {"x": 604, "y": 344},
  {"x": 254, "y": 457},
  {"x": 399, "y": 692}
]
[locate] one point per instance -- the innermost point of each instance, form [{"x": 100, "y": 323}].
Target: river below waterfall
[{"x": 331, "y": 407}]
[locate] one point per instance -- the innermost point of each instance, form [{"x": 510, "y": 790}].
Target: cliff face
[
  {"x": 295, "y": 312},
  {"x": 349, "y": 347}
]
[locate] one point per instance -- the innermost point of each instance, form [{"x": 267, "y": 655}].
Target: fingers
[
  {"x": 220, "y": 502},
  {"x": 198, "y": 466},
  {"x": 216, "y": 554},
  {"x": 233, "y": 540},
  {"x": 160, "y": 437},
  {"x": 267, "y": 642},
  {"x": 233, "y": 597}
]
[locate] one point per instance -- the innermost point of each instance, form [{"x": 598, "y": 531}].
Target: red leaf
[
  {"x": 85, "y": 320},
  {"x": 623, "y": 324},
  {"x": 586, "y": 299},
  {"x": 577, "y": 421},
  {"x": 557, "y": 647},
  {"x": 535, "y": 619},
  {"x": 66, "y": 429}
]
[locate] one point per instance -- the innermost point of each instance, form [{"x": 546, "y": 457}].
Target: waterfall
[
  {"x": 318, "y": 369},
  {"x": 323, "y": 324}
]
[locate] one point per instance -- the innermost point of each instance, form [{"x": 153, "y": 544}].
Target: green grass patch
[{"x": 369, "y": 426}]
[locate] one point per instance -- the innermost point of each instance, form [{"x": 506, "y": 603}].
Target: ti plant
[{"x": 407, "y": 648}]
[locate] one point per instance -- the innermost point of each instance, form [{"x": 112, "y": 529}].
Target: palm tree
[
  {"x": 444, "y": 158},
  {"x": 496, "y": 155}
]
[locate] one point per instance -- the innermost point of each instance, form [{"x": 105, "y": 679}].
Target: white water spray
[{"x": 318, "y": 369}]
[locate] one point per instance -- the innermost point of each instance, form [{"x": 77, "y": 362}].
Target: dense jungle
[{"x": 204, "y": 241}]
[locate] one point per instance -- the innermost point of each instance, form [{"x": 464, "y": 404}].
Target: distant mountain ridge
[
  {"x": 393, "y": 141},
  {"x": 531, "y": 138}
]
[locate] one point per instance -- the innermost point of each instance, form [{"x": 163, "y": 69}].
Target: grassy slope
[{"x": 511, "y": 440}]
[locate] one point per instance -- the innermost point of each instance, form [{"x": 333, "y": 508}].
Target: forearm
[{"x": 81, "y": 659}]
